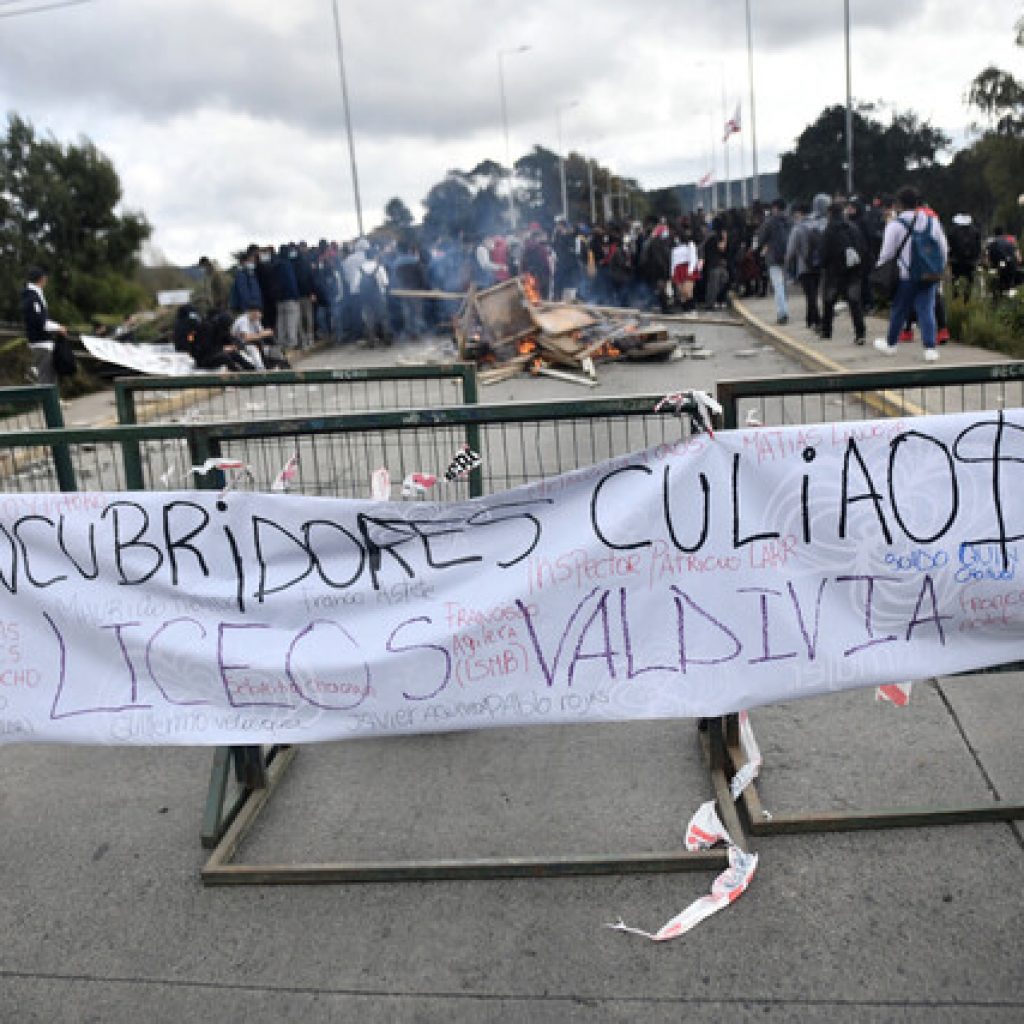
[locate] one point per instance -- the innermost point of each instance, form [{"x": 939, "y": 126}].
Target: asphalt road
[{"x": 104, "y": 917}]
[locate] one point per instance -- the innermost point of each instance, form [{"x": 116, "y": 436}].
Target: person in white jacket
[{"x": 911, "y": 295}]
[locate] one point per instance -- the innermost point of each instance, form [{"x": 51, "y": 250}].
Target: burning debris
[{"x": 508, "y": 329}]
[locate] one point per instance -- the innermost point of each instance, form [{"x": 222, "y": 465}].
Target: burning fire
[
  {"x": 607, "y": 351},
  {"x": 536, "y": 365},
  {"x": 526, "y": 346},
  {"x": 530, "y": 290}
]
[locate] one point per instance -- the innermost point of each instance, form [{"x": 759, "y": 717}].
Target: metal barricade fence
[
  {"x": 213, "y": 397},
  {"x": 27, "y": 409},
  {"x": 812, "y": 399},
  {"x": 518, "y": 443},
  {"x": 821, "y": 398}
]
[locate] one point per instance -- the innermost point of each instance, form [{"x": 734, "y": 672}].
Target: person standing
[
  {"x": 772, "y": 241},
  {"x": 39, "y": 327},
  {"x": 843, "y": 255},
  {"x": 906, "y": 236},
  {"x": 803, "y": 256},
  {"x": 287, "y": 291},
  {"x": 245, "y": 288},
  {"x": 964, "y": 254}
]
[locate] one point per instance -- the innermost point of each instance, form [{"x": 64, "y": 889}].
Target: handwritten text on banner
[{"x": 694, "y": 579}]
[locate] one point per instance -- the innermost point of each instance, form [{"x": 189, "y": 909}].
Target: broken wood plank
[{"x": 572, "y": 378}]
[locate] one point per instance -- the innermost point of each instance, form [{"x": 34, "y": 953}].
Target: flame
[
  {"x": 607, "y": 351},
  {"x": 536, "y": 365},
  {"x": 530, "y": 291},
  {"x": 526, "y": 346}
]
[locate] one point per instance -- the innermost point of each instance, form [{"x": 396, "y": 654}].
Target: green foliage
[
  {"x": 398, "y": 214},
  {"x": 885, "y": 156},
  {"x": 990, "y": 325},
  {"x": 58, "y": 207}
]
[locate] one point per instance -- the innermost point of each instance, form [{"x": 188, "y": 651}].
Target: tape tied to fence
[{"x": 704, "y": 831}]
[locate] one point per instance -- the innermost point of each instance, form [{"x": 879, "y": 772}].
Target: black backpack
[
  {"x": 186, "y": 323},
  {"x": 813, "y": 249}
]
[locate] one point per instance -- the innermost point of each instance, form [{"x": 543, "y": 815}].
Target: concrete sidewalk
[
  {"x": 104, "y": 918},
  {"x": 839, "y": 353}
]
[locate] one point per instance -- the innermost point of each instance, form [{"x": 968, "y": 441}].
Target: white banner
[
  {"x": 152, "y": 358},
  {"x": 691, "y": 579}
]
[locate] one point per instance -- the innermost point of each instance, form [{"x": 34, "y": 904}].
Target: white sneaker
[
  {"x": 884, "y": 347},
  {"x": 931, "y": 355}
]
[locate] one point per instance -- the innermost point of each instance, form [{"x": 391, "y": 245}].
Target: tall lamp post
[
  {"x": 348, "y": 118},
  {"x": 502, "y": 54},
  {"x": 561, "y": 155},
  {"x": 756, "y": 191},
  {"x": 849, "y": 103}
]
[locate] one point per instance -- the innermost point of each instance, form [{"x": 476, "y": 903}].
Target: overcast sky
[{"x": 224, "y": 117}]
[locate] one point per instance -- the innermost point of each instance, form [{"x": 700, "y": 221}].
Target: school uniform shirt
[{"x": 37, "y": 321}]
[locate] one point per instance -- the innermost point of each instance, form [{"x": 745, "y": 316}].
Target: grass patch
[{"x": 997, "y": 326}]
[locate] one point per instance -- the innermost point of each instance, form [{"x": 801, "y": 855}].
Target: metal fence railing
[
  {"x": 822, "y": 398},
  {"x": 209, "y": 397},
  {"x": 337, "y": 454}
]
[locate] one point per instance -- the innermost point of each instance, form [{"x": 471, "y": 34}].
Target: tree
[
  {"x": 885, "y": 156},
  {"x": 398, "y": 214},
  {"x": 449, "y": 206},
  {"x": 58, "y": 207}
]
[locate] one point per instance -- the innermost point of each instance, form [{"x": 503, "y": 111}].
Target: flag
[
  {"x": 706, "y": 181},
  {"x": 732, "y": 126}
]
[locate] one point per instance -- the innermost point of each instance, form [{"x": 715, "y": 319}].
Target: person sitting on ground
[
  {"x": 208, "y": 340},
  {"x": 257, "y": 341}
]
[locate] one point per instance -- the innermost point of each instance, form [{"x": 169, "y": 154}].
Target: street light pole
[
  {"x": 756, "y": 194},
  {"x": 348, "y": 118},
  {"x": 561, "y": 155},
  {"x": 504, "y": 123},
  {"x": 849, "y": 104}
]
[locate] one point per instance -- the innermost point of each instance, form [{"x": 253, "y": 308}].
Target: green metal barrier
[
  {"x": 210, "y": 397},
  {"x": 27, "y": 409},
  {"x": 518, "y": 443},
  {"x": 838, "y": 398},
  {"x": 824, "y": 398}
]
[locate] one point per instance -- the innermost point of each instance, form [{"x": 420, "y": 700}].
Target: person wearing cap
[
  {"x": 964, "y": 253},
  {"x": 39, "y": 327}
]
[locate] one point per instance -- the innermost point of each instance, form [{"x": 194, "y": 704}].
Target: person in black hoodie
[{"x": 843, "y": 255}]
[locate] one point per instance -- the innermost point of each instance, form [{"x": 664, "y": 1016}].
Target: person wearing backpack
[
  {"x": 915, "y": 239},
  {"x": 843, "y": 255},
  {"x": 803, "y": 256}
]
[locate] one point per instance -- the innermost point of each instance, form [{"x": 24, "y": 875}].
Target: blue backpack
[{"x": 926, "y": 260}]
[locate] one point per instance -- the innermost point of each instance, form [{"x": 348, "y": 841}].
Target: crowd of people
[
  {"x": 371, "y": 291},
  {"x": 279, "y": 299}
]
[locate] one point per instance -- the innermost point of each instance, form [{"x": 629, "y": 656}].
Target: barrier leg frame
[
  {"x": 759, "y": 822},
  {"x": 233, "y": 826}
]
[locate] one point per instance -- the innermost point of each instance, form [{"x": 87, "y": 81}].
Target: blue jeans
[
  {"x": 778, "y": 279},
  {"x": 913, "y": 295}
]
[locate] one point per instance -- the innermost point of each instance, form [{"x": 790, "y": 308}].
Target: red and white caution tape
[
  {"x": 380, "y": 485},
  {"x": 417, "y": 483},
  {"x": 752, "y": 766},
  {"x": 728, "y": 887},
  {"x": 233, "y": 470},
  {"x": 894, "y": 693},
  {"x": 284, "y": 479},
  {"x": 706, "y": 829}
]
